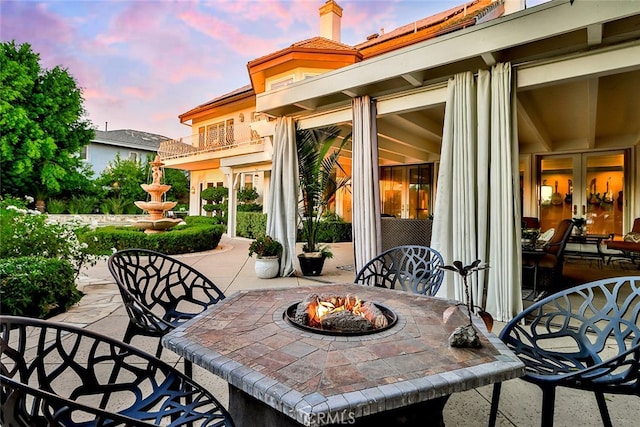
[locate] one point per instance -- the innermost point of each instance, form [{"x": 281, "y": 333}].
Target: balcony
[{"x": 218, "y": 142}]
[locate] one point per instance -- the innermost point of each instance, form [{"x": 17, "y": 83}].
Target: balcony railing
[{"x": 217, "y": 139}]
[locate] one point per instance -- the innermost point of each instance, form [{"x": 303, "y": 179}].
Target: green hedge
[
  {"x": 195, "y": 237},
  {"x": 251, "y": 224},
  {"x": 331, "y": 232},
  {"x": 36, "y": 286}
]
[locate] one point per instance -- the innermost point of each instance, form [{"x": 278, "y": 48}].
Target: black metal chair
[
  {"x": 53, "y": 374},
  {"x": 159, "y": 293},
  {"x": 586, "y": 337},
  {"x": 410, "y": 267}
]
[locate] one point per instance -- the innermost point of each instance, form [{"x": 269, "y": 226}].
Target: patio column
[{"x": 365, "y": 181}]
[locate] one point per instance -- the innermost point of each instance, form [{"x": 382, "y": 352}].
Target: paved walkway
[{"x": 232, "y": 269}]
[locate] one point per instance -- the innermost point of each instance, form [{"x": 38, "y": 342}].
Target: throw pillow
[{"x": 632, "y": 237}]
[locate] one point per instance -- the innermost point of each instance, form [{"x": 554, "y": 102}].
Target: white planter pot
[{"x": 267, "y": 267}]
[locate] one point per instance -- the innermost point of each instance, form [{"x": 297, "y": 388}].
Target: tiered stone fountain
[{"x": 156, "y": 222}]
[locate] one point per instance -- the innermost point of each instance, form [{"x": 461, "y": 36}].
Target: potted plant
[
  {"x": 318, "y": 151},
  {"x": 268, "y": 251}
]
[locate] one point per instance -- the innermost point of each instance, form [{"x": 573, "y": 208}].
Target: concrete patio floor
[{"x": 232, "y": 270}]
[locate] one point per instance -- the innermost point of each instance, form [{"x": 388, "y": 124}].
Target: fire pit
[{"x": 340, "y": 315}]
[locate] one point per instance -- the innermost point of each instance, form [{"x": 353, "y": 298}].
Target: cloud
[
  {"x": 138, "y": 92},
  {"x": 217, "y": 29}
]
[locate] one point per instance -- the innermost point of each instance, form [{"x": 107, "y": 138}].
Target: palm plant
[{"x": 318, "y": 151}]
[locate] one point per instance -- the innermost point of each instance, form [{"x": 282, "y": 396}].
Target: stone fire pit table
[{"x": 280, "y": 375}]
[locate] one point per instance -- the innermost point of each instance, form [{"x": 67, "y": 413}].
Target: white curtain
[
  {"x": 504, "y": 284},
  {"x": 282, "y": 214},
  {"x": 476, "y": 213},
  {"x": 454, "y": 232},
  {"x": 365, "y": 182}
]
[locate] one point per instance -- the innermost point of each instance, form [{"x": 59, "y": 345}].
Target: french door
[
  {"x": 406, "y": 191},
  {"x": 587, "y": 185}
]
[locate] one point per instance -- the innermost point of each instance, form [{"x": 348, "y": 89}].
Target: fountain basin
[
  {"x": 155, "y": 188},
  {"x": 156, "y": 206},
  {"x": 156, "y": 225}
]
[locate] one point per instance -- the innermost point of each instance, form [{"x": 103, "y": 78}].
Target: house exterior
[
  {"x": 243, "y": 159},
  {"x": 128, "y": 144},
  {"x": 572, "y": 123}
]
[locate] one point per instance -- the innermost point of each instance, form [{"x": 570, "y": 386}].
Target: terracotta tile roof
[
  {"x": 319, "y": 43},
  {"x": 322, "y": 43}
]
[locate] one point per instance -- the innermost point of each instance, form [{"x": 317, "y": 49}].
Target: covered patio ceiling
[{"x": 577, "y": 71}]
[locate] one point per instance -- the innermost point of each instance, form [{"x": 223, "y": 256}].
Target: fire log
[
  {"x": 374, "y": 315},
  {"x": 345, "y": 321}
]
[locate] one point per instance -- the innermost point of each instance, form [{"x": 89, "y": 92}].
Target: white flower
[{"x": 29, "y": 199}]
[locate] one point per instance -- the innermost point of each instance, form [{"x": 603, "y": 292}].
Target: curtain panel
[
  {"x": 477, "y": 208},
  {"x": 282, "y": 214},
  {"x": 365, "y": 182}
]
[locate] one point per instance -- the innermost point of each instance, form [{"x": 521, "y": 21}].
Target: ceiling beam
[
  {"x": 414, "y": 79},
  {"x": 489, "y": 58},
  {"x": 594, "y": 34},
  {"x": 406, "y": 142},
  {"x": 528, "y": 116}
]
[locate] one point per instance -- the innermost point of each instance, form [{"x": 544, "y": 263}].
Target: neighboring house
[{"x": 129, "y": 144}]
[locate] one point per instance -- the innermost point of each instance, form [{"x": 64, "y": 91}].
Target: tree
[
  {"x": 122, "y": 179},
  {"x": 179, "y": 182},
  {"x": 42, "y": 129}
]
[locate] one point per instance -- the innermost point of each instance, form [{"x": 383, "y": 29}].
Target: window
[
  {"x": 220, "y": 134},
  {"x": 133, "y": 156},
  {"x": 201, "y": 137},
  {"x": 84, "y": 153}
]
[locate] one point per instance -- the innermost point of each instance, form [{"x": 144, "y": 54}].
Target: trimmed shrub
[
  {"x": 330, "y": 232},
  {"x": 36, "y": 286},
  {"x": 251, "y": 224},
  {"x": 250, "y": 207},
  {"x": 178, "y": 240}
]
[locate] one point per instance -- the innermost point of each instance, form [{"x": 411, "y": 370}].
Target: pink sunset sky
[{"x": 142, "y": 63}]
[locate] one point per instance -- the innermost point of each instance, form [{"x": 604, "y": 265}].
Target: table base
[{"x": 247, "y": 411}]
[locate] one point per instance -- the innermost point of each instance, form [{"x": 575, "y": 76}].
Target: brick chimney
[{"x": 330, "y": 16}]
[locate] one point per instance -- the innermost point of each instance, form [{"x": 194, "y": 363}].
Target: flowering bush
[{"x": 26, "y": 232}]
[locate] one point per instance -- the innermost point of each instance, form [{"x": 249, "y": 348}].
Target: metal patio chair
[
  {"x": 586, "y": 337},
  {"x": 411, "y": 268},
  {"x": 53, "y": 374},
  {"x": 160, "y": 293}
]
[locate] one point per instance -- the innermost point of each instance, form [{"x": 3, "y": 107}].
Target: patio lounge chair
[
  {"x": 629, "y": 246},
  {"x": 409, "y": 267},
  {"x": 550, "y": 265},
  {"x": 159, "y": 293},
  {"x": 53, "y": 374},
  {"x": 586, "y": 337}
]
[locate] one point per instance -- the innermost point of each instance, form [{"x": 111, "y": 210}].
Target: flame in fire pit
[
  {"x": 340, "y": 314},
  {"x": 319, "y": 308}
]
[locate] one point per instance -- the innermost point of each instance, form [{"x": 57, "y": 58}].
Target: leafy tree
[
  {"x": 41, "y": 126},
  {"x": 122, "y": 179},
  {"x": 179, "y": 183}
]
